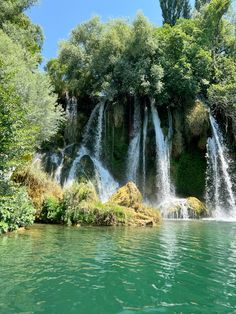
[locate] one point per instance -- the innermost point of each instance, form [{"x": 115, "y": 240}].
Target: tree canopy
[
  {"x": 28, "y": 112},
  {"x": 195, "y": 57}
]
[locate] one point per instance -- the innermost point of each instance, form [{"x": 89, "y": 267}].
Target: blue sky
[{"x": 59, "y": 17}]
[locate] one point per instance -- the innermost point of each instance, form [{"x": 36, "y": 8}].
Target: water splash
[
  {"x": 174, "y": 208},
  {"x": 163, "y": 181},
  {"x": 220, "y": 195},
  {"x": 134, "y": 147}
]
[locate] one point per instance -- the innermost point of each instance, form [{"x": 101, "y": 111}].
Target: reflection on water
[{"x": 179, "y": 267}]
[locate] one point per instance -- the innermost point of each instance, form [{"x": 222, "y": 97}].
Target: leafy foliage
[
  {"x": 28, "y": 111},
  {"x": 172, "y": 64},
  {"x": 173, "y": 10},
  {"x": 16, "y": 210}
]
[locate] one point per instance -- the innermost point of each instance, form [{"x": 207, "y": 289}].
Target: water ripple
[{"x": 180, "y": 267}]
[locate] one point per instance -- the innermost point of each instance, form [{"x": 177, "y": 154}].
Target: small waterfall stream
[
  {"x": 71, "y": 125},
  {"x": 99, "y": 130},
  {"x": 92, "y": 147},
  {"x": 162, "y": 159},
  {"x": 134, "y": 147},
  {"x": 57, "y": 174},
  {"x": 145, "y": 125},
  {"x": 220, "y": 196}
]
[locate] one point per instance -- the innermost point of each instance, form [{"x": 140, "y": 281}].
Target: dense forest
[{"x": 128, "y": 74}]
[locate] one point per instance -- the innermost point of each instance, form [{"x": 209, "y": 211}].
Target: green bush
[
  {"x": 16, "y": 210},
  {"x": 51, "y": 211},
  {"x": 76, "y": 204}
]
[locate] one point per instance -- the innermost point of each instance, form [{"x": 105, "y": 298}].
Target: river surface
[{"x": 179, "y": 267}]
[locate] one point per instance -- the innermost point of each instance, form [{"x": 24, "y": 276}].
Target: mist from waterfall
[
  {"x": 163, "y": 182},
  {"x": 133, "y": 159},
  {"x": 92, "y": 147},
  {"x": 220, "y": 196}
]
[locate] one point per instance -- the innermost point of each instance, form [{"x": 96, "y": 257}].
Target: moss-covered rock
[
  {"x": 196, "y": 208},
  {"x": 80, "y": 206},
  {"x": 128, "y": 196},
  {"x": 190, "y": 207}
]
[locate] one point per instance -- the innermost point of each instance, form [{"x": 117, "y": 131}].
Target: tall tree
[
  {"x": 200, "y": 3},
  {"x": 172, "y": 10}
]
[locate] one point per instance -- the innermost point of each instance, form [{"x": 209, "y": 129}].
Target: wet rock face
[{"x": 128, "y": 196}]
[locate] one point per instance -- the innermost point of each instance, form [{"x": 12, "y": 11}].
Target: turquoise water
[{"x": 179, "y": 267}]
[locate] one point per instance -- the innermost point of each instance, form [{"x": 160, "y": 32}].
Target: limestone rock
[
  {"x": 190, "y": 207},
  {"x": 128, "y": 196},
  {"x": 196, "y": 208}
]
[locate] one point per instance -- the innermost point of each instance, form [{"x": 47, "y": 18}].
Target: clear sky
[{"x": 59, "y": 17}]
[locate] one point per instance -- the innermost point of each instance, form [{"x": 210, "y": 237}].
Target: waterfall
[
  {"x": 92, "y": 147},
  {"x": 57, "y": 174},
  {"x": 145, "y": 124},
  {"x": 72, "y": 173},
  {"x": 219, "y": 186},
  {"x": 88, "y": 127},
  {"x": 99, "y": 130},
  {"x": 71, "y": 126},
  {"x": 162, "y": 158},
  {"x": 134, "y": 147},
  {"x": 106, "y": 183}
]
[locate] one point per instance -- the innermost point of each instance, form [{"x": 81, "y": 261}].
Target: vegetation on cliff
[{"x": 195, "y": 57}]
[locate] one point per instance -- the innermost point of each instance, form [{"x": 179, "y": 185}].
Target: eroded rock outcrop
[{"x": 128, "y": 196}]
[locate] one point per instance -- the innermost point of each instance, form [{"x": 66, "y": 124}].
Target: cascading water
[
  {"x": 58, "y": 172},
  {"x": 91, "y": 147},
  {"x": 162, "y": 159},
  {"x": 220, "y": 197},
  {"x": 134, "y": 147},
  {"x": 145, "y": 125},
  {"x": 99, "y": 130},
  {"x": 71, "y": 126}
]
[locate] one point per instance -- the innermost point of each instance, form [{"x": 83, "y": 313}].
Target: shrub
[
  {"x": 51, "y": 211},
  {"x": 16, "y": 210},
  {"x": 77, "y": 203},
  {"x": 197, "y": 119},
  {"x": 40, "y": 185}
]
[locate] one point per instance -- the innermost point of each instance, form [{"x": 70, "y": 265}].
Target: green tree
[
  {"x": 200, "y": 3},
  {"x": 172, "y": 10}
]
